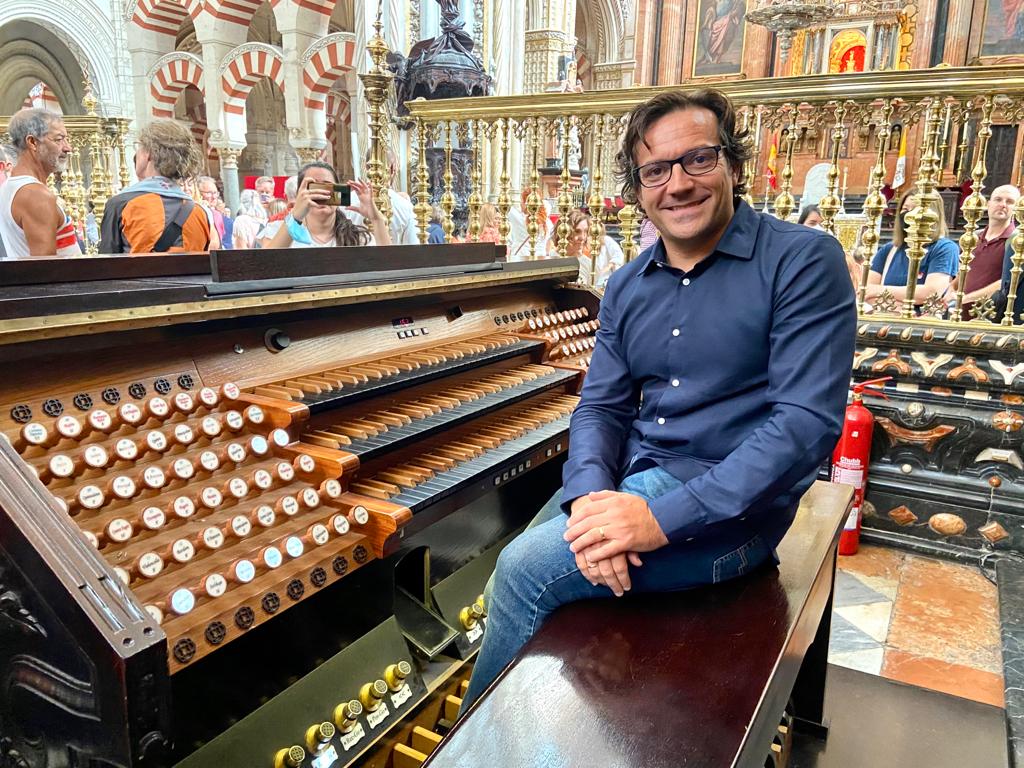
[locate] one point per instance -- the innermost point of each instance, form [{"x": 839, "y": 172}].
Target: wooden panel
[
  {"x": 69, "y": 298},
  {"x": 354, "y": 335},
  {"x": 385, "y": 518},
  {"x": 264, "y": 264},
  {"x": 86, "y": 268}
]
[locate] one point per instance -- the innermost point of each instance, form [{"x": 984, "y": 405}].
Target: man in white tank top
[{"x": 31, "y": 221}]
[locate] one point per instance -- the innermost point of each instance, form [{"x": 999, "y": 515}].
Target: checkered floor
[{"x": 921, "y": 621}]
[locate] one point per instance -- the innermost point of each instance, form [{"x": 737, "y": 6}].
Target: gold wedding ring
[{"x": 601, "y": 532}]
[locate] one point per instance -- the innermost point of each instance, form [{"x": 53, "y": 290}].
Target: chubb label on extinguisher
[{"x": 848, "y": 472}]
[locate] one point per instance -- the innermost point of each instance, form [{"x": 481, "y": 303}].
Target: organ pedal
[
  {"x": 407, "y": 757},
  {"x": 423, "y": 740},
  {"x": 452, "y": 704}
]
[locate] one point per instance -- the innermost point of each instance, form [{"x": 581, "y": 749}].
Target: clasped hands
[{"x": 606, "y": 532}]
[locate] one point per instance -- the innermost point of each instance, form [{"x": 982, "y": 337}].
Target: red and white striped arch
[
  {"x": 170, "y": 77},
  {"x": 323, "y": 7},
  {"x": 234, "y": 11},
  {"x": 583, "y": 68},
  {"x": 338, "y": 109},
  {"x": 241, "y": 12},
  {"x": 200, "y": 129},
  {"x": 326, "y": 60},
  {"x": 251, "y": 62},
  {"x": 165, "y": 16},
  {"x": 40, "y": 96}
]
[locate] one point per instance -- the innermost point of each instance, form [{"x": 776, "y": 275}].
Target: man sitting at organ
[
  {"x": 318, "y": 222},
  {"x": 716, "y": 388},
  {"x": 32, "y": 223},
  {"x": 155, "y": 215}
]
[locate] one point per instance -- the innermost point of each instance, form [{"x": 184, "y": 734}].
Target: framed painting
[
  {"x": 721, "y": 32},
  {"x": 1004, "y": 28}
]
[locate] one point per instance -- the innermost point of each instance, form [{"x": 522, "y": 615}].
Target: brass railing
[{"x": 931, "y": 109}]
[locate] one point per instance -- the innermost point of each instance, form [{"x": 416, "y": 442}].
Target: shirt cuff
[
  {"x": 583, "y": 482},
  {"x": 678, "y": 515}
]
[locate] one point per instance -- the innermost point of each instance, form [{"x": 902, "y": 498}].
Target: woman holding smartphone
[{"x": 317, "y": 223}]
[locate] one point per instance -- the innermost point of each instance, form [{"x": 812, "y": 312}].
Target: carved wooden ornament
[
  {"x": 894, "y": 362},
  {"x": 969, "y": 368},
  {"x": 1007, "y": 421},
  {"x": 926, "y": 438}
]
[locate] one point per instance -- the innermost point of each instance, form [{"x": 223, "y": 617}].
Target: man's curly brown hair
[{"x": 644, "y": 115}]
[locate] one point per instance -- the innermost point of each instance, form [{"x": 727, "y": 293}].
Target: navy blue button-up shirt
[{"x": 732, "y": 377}]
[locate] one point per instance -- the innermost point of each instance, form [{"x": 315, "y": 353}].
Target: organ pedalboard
[{"x": 263, "y": 541}]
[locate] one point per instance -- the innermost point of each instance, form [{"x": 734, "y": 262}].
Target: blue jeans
[{"x": 536, "y": 573}]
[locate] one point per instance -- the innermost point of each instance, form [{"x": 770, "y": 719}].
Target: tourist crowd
[{"x": 174, "y": 208}]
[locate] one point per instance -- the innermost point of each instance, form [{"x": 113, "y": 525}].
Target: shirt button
[
  {"x": 661, "y": 419},
  {"x": 686, "y": 281},
  {"x": 675, "y": 382},
  {"x": 675, "y": 331}
]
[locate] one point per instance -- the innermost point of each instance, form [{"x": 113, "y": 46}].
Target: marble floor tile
[
  {"x": 872, "y": 618},
  {"x": 946, "y": 612},
  {"x": 867, "y": 660},
  {"x": 875, "y": 567},
  {"x": 850, "y": 590},
  {"x": 937, "y": 675},
  {"x": 876, "y": 562},
  {"x": 847, "y": 637}
]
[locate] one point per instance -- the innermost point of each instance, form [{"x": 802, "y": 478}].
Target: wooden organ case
[{"x": 249, "y": 501}]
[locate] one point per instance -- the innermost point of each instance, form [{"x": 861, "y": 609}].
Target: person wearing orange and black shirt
[{"x": 155, "y": 215}]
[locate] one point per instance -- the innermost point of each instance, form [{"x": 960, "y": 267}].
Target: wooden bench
[{"x": 699, "y": 678}]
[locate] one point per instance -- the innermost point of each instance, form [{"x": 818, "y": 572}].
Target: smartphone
[{"x": 339, "y": 194}]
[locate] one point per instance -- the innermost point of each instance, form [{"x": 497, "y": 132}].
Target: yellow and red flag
[{"x": 773, "y": 155}]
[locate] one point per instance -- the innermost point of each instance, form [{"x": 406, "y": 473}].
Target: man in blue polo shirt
[{"x": 716, "y": 388}]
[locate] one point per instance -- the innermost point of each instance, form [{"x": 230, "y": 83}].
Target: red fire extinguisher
[{"x": 851, "y": 456}]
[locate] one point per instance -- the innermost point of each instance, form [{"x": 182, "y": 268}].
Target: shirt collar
[
  {"x": 1007, "y": 233},
  {"x": 737, "y": 240}
]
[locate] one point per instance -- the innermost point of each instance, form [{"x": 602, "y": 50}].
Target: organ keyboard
[{"x": 247, "y": 521}]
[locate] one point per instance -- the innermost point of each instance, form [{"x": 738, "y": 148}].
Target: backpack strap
[{"x": 173, "y": 230}]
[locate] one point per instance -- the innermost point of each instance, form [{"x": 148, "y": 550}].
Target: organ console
[{"x": 249, "y": 501}]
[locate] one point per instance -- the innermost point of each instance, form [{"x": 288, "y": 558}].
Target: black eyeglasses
[{"x": 696, "y": 162}]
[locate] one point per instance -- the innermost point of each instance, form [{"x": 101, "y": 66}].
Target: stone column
[
  {"x": 222, "y": 130},
  {"x": 229, "y": 175},
  {"x": 294, "y": 43},
  {"x": 517, "y": 84},
  {"x": 498, "y": 33},
  {"x": 143, "y": 60},
  {"x": 671, "y": 44},
  {"x": 543, "y": 48}
]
